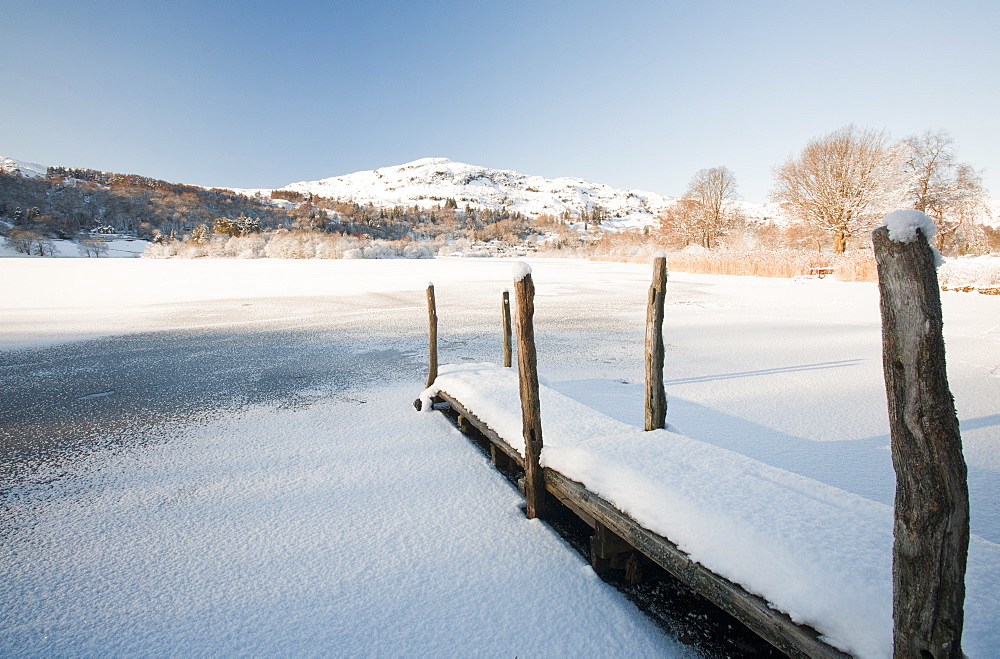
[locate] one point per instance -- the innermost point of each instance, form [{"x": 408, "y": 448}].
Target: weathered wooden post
[
  {"x": 656, "y": 396},
  {"x": 432, "y": 372},
  {"x": 931, "y": 528},
  {"x": 527, "y": 368},
  {"x": 506, "y": 329}
]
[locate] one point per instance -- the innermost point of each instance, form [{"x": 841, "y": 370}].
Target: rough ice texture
[
  {"x": 818, "y": 553},
  {"x": 903, "y": 225},
  {"x": 299, "y": 532},
  {"x": 521, "y": 270}
]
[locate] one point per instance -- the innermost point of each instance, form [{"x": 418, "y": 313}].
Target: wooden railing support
[
  {"x": 527, "y": 367},
  {"x": 432, "y": 341},
  {"x": 931, "y": 527},
  {"x": 505, "y": 312},
  {"x": 656, "y": 395}
]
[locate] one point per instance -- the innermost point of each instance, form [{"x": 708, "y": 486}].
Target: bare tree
[
  {"x": 29, "y": 242},
  {"x": 705, "y": 213},
  {"x": 951, "y": 192},
  {"x": 94, "y": 246},
  {"x": 679, "y": 223},
  {"x": 842, "y": 183}
]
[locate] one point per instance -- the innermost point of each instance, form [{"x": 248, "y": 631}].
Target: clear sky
[{"x": 632, "y": 94}]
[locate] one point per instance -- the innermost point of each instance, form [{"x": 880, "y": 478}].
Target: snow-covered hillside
[
  {"x": 29, "y": 169},
  {"x": 430, "y": 181}
]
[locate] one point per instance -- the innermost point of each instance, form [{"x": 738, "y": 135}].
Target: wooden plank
[
  {"x": 482, "y": 427},
  {"x": 753, "y": 611},
  {"x": 512, "y": 454},
  {"x": 773, "y": 626},
  {"x": 820, "y": 272}
]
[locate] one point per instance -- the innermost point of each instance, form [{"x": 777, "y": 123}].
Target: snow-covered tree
[
  {"x": 951, "y": 192},
  {"x": 713, "y": 190},
  {"x": 200, "y": 234},
  {"x": 842, "y": 183},
  {"x": 679, "y": 224}
]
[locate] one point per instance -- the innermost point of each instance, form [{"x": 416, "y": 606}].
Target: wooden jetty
[
  {"x": 617, "y": 534},
  {"x": 927, "y": 612}
]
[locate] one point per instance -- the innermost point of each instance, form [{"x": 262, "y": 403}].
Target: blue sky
[{"x": 632, "y": 94}]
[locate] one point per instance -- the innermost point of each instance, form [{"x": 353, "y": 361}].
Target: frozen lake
[
  {"x": 66, "y": 399},
  {"x": 188, "y": 433}
]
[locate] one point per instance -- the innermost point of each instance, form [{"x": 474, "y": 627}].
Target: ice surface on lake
[{"x": 268, "y": 526}]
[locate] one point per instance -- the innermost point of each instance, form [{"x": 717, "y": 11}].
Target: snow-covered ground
[
  {"x": 118, "y": 247},
  {"x": 301, "y": 528},
  {"x": 973, "y": 271}
]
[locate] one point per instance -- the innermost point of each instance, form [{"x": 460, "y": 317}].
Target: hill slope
[
  {"x": 28, "y": 169},
  {"x": 430, "y": 181}
]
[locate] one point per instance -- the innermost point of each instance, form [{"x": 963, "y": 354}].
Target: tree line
[
  {"x": 75, "y": 203},
  {"x": 836, "y": 189},
  {"x": 841, "y": 185}
]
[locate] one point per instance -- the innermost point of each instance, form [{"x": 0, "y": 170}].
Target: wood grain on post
[
  {"x": 506, "y": 329},
  {"x": 931, "y": 526},
  {"x": 656, "y": 395},
  {"x": 527, "y": 367},
  {"x": 432, "y": 342}
]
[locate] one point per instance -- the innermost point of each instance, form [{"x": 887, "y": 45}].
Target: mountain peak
[
  {"x": 428, "y": 182},
  {"x": 28, "y": 169},
  {"x": 422, "y": 162}
]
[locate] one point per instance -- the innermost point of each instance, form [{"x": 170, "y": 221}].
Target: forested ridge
[{"x": 68, "y": 201}]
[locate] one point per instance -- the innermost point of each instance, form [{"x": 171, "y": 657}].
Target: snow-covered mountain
[
  {"x": 430, "y": 181},
  {"x": 28, "y": 169}
]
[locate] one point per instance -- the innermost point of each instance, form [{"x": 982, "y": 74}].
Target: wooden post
[
  {"x": 506, "y": 329},
  {"x": 656, "y": 396},
  {"x": 527, "y": 367},
  {"x": 432, "y": 372},
  {"x": 931, "y": 527}
]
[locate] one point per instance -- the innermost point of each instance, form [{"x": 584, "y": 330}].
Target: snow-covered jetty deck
[{"x": 805, "y": 565}]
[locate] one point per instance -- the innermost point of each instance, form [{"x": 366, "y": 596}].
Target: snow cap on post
[
  {"x": 521, "y": 270},
  {"x": 903, "y": 225},
  {"x": 662, "y": 255}
]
